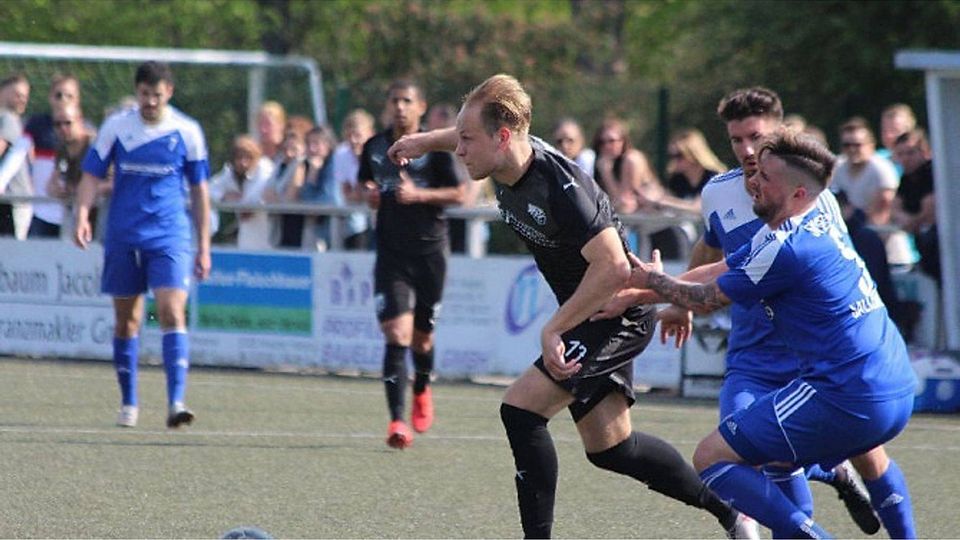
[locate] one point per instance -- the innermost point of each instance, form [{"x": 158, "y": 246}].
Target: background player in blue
[
  {"x": 577, "y": 241},
  {"x": 152, "y": 149},
  {"x": 855, "y": 389},
  {"x": 411, "y": 255}
]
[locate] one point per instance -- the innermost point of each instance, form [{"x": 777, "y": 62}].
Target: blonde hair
[
  {"x": 504, "y": 103},
  {"x": 358, "y": 119},
  {"x": 274, "y": 110},
  {"x": 898, "y": 109},
  {"x": 693, "y": 145}
]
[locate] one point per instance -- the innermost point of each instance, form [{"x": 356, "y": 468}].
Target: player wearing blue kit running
[
  {"x": 152, "y": 149},
  {"x": 855, "y": 389}
]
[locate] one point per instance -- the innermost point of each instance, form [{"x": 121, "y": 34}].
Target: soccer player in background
[
  {"x": 411, "y": 259},
  {"x": 152, "y": 149},
  {"x": 577, "y": 241},
  {"x": 854, "y": 391}
]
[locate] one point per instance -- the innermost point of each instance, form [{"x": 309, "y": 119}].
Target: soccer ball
[{"x": 247, "y": 532}]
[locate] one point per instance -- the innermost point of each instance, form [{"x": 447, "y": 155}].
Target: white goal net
[{"x": 221, "y": 89}]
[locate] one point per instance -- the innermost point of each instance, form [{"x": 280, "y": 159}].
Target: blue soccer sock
[
  {"x": 125, "y": 352},
  {"x": 749, "y": 491},
  {"x": 814, "y": 472},
  {"x": 793, "y": 483},
  {"x": 891, "y": 499},
  {"x": 176, "y": 354}
]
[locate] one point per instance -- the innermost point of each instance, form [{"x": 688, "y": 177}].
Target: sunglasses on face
[
  {"x": 852, "y": 144},
  {"x": 61, "y": 123}
]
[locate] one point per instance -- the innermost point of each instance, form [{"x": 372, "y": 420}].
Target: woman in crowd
[{"x": 621, "y": 170}]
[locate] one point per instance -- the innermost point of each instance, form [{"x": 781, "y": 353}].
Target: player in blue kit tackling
[
  {"x": 152, "y": 149},
  {"x": 855, "y": 386}
]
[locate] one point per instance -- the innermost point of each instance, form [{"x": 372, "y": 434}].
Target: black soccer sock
[
  {"x": 423, "y": 366},
  {"x": 536, "y": 462},
  {"x": 658, "y": 465},
  {"x": 395, "y": 378}
]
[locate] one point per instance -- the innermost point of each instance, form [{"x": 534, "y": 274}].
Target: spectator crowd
[{"x": 886, "y": 183}]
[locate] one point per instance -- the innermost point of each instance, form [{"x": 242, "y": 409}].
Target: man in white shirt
[
  {"x": 244, "y": 180},
  {"x": 869, "y": 180}
]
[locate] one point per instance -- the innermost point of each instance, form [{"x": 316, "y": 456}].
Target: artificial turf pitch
[{"x": 304, "y": 456}]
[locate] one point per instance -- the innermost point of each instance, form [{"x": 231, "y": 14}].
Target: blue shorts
[
  {"x": 130, "y": 271},
  {"x": 740, "y": 390},
  {"x": 796, "y": 424}
]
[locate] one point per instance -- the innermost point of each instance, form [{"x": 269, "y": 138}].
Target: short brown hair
[
  {"x": 504, "y": 103},
  {"x": 247, "y": 144},
  {"x": 803, "y": 152},
  {"x": 747, "y": 102},
  {"x": 858, "y": 123}
]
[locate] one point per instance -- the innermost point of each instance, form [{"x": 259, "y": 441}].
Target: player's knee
[
  {"x": 396, "y": 334},
  {"x": 517, "y": 421},
  {"x": 614, "y": 458},
  {"x": 422, "y": 342},
  {"x": 705, "y": 454},
  {"x": 127, "y": 329}
]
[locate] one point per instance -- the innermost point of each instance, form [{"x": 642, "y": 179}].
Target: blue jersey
[
  {"x": 812, "y": 285},
  {"x": 752, "y": 346},
  {"x": 148, "y": 205}
]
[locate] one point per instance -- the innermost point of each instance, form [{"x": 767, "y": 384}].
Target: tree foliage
[{"x": 586, "y": 58}]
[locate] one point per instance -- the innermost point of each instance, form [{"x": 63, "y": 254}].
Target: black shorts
[
  {"x": 606, "y": 350},
  {"x": 409, "y": 282}
]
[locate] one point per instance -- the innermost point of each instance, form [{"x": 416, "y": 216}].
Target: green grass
[{"x": 303, "y": 456}]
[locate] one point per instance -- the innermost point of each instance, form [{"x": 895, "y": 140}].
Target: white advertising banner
[
  {"x": 289, "y": 309},
  {"x": 50, "y": 301}
]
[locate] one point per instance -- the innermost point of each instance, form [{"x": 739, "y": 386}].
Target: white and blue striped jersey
[
  {"x": 815, "y": 290},
  {"x": 148, "y": 205},
  {"x": 752, "y": 346}
]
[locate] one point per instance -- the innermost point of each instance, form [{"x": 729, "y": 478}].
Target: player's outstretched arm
[
  {"x": 412, "y": 146},
  {"x": 86, "y": 195},
  {"x": 698, "y": 297}
]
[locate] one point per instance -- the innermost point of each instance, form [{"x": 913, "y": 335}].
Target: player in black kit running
[
  {"x": 577, "y": 241},
  {"x": 411, "y": 255}
]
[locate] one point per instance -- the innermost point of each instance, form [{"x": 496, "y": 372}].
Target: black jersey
[
  {"x": 410, "y": 228},
  {"x": 556, "y": 208}
]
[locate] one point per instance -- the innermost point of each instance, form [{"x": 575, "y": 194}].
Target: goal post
[{"x": 222, "y": 89}]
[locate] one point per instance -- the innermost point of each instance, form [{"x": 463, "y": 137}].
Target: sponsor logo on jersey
[
  {"x": 526, "y": 231},
  {"x": 572, "y": 183},
  {"x": 730, "y": 215},
  {"x": 537, "y": 214},
  {"x": 732, "y": 426}
]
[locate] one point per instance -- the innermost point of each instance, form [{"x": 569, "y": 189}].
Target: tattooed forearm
[{"x": 700, "y": 298}]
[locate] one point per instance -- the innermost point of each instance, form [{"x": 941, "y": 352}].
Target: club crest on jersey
[{"x": 537, "y": 214}]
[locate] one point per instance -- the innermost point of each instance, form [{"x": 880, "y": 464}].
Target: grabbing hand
[
  {"x": 640, "y": 271},
  {"x": 675, "y": 322}
]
